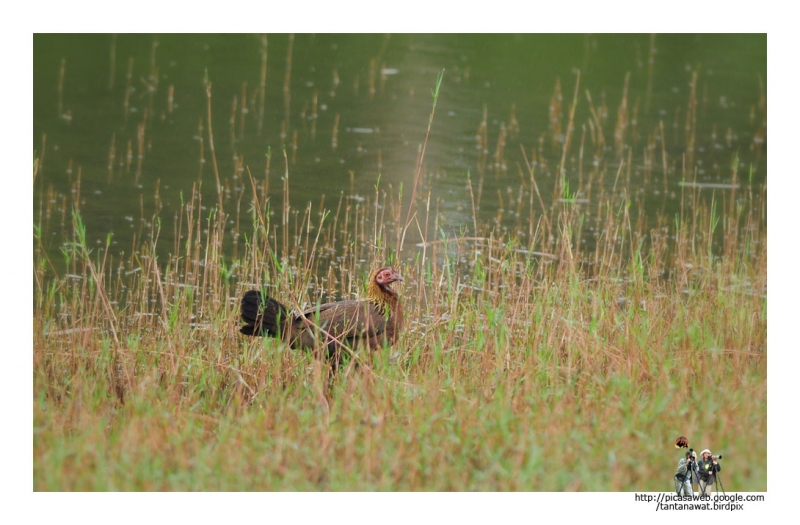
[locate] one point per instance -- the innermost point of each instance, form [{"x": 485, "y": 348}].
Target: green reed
[{"x": 530, "y": 360}]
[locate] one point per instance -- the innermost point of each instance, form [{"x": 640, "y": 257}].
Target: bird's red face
[{"x": 386, "y": 276}]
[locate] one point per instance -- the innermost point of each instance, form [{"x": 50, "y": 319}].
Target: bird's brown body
[{"x": 332, "y": 326}]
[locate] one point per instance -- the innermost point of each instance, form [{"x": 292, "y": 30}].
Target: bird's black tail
[{"x": 263, "y": 315}]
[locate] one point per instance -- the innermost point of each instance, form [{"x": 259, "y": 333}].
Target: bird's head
[{"x": 380, "y": 282}]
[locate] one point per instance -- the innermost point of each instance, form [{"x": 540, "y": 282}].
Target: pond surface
[{"x": 121, "y": 122}]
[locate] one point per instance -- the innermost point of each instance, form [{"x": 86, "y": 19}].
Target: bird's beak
[{"x": 398, "y": 277}]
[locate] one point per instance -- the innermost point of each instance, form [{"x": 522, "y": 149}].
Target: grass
[
  {"x": 531, "y": 360},
  {"x": 142, "y": 383}
]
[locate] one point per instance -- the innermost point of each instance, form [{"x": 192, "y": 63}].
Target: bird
[
  {"x": 682, "y": 442},
  {"x": 333, "y": 326}
]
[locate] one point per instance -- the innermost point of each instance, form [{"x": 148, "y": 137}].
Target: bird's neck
[{"x": 383, "y": 298}]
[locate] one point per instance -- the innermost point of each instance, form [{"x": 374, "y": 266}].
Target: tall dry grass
[
  {"x": 525, "y": 365},
  {"x": 562, "y": 344}
]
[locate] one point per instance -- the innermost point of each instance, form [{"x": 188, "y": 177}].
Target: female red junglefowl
[{"x": 370, "y": 321}]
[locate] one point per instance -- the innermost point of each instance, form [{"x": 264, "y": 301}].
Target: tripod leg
[{"x": 709, "y": 488}]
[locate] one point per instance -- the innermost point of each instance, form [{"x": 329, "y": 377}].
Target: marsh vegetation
[{"x": 591, "y": 291}]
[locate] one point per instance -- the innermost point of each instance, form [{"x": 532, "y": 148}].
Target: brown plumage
[{"x": 369, "y": 321}]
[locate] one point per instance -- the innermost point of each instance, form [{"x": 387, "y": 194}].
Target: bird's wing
[{"x": 345, "y": 319}]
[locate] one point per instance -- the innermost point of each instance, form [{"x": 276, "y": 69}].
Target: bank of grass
[
  {"x": 562, "y": 345},
  {"x": 529, "y": 362}
]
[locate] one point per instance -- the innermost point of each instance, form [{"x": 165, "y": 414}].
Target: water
[{"x": 354, "y": 109}]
